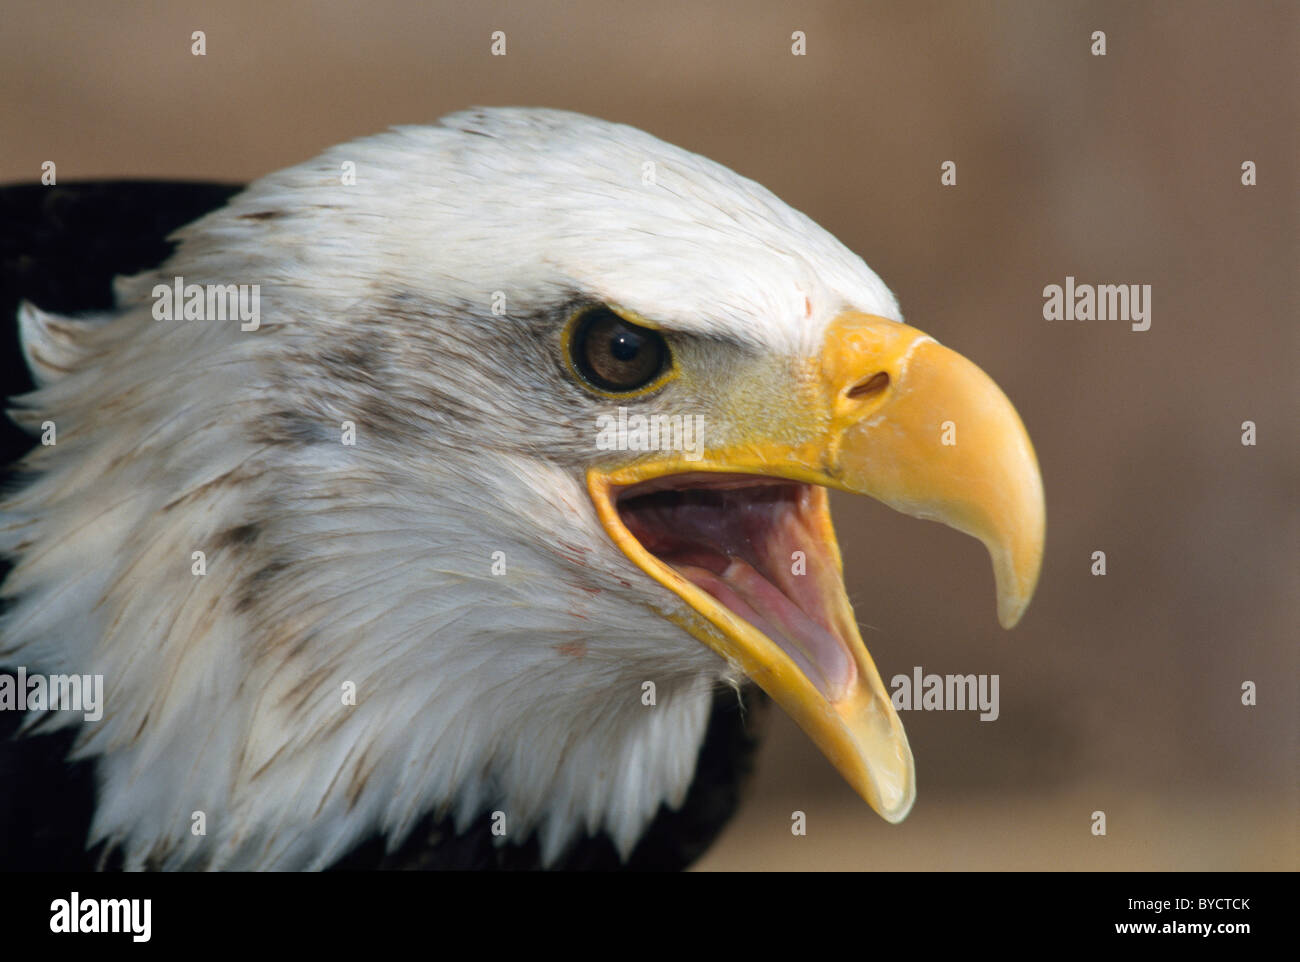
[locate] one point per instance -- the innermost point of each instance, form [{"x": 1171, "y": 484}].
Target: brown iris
[{"x": 615, "y": 355}]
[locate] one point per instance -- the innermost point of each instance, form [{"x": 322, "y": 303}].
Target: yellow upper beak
[
  {"x": 939, "y": 441},
  {"x": 894, "y": 415}
]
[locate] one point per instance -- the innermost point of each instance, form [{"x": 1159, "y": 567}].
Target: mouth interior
[{"x": 737, "y": 537}]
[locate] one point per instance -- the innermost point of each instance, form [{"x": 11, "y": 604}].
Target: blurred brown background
[{"x": 1118, "y": 693}]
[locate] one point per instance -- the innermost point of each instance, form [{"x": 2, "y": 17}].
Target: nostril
[{"x": 869, "y": 387}]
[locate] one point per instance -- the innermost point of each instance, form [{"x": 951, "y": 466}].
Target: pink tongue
[{"x": 751, "y": 596}]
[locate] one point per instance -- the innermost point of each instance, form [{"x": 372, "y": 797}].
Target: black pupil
[
  {"x": 625, "y": 345},
  {"x": 616, "y": 355}
]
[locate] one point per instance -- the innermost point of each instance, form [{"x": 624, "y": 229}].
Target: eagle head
[{"x": 526, "y": 453}]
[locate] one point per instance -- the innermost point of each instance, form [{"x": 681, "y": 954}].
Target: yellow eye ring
[{"x": 615, "y": 354}]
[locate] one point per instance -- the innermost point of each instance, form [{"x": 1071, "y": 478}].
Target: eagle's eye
[{"x": 613, "y": 354}]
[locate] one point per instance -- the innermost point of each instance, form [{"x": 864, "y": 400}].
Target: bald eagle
[{"x": 501, "y": 449}]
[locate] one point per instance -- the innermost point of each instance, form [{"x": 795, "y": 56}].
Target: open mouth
[
  {"x": 758, "y": 547},
  {"x": 743, "y": 535}
]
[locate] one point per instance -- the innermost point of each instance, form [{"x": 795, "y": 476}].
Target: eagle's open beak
[{"x": 743, "y": 535}]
